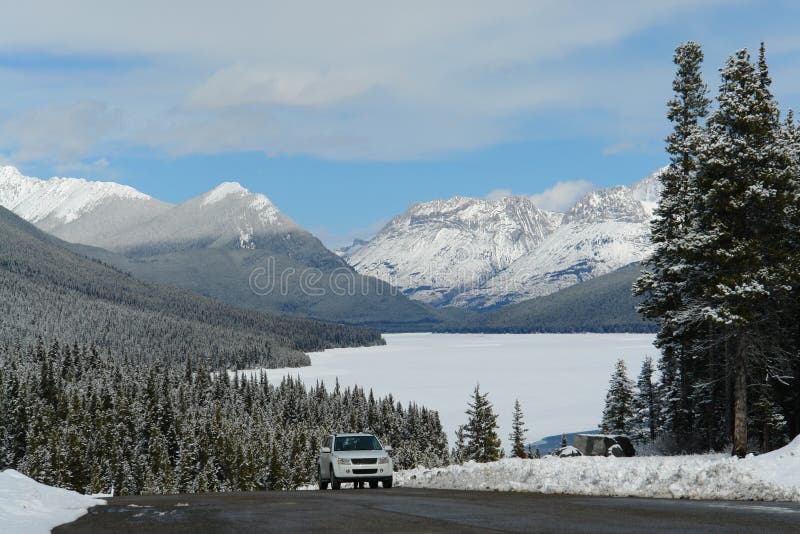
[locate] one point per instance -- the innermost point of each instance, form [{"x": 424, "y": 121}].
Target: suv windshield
[{"x": 356, "y": 443}]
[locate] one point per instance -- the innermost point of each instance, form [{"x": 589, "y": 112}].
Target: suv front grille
[
  {"x": 365, "y": 461},
  {"x": 364, "y": 471}
]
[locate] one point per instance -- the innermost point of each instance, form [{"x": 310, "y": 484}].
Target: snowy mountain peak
[
  {"x": 612, "y": 204},
  {"x": 435, "y": 247},
  {"x": 648, "y": 191},
  {"x": 223, "y": 191},
  {"x": 58, "y": 199},
  {"x": 238, "y": 200},
  {"x": 480, "y": 253}
]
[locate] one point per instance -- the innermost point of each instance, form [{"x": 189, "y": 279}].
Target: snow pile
[
  {"x": 771, "y": 477},
  {"x": 30, "y": 507}
]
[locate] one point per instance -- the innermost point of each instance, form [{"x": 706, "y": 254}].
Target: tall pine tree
[
  {"x": 619, "y": 402},
  {"x": 669, "y": 281},
  {"x": 480, "y": 432},
  {"x": 518, "y": 432},
  {"x": 646, "y": 402},
  {"x": 745, "y": 180}
]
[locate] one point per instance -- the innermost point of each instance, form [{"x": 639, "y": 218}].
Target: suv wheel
[
  {"x": 323, "y": 484},
  {"x": 335, "y": 484},
  {"x": 373, "y": 484},
  {"x": 387, "y": 483}
]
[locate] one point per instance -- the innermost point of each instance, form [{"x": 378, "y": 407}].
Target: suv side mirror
[
  {"x": 388, "y": 448},
  {"x": 325, "y": 450}
]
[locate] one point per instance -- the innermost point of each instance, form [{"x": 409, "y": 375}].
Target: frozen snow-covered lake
[{"x": 560, "y": 379}]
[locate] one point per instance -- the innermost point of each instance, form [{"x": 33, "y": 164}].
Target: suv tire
[
  {"x": 387, "y": 484},
  {"x": 335, "y": 484},
  {"x": 373, "y": 484},
  {"x": 323, "y": 484}
]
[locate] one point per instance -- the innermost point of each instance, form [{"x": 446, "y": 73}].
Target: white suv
[{"x": 355, "y": 458}]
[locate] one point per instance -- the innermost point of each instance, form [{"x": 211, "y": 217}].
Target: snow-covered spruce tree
[
  {"x": 518, "y": 432},
  {"x": 646, "y": 402},
  {"x": 787, "y": 390},
  {"x": 480, "y": 432},
  {"x": 669, "y": 279},
  {"x": 619, "y": 402},
  {"x": 744, "y": 176},
  {"x": 459, "y": 447}
]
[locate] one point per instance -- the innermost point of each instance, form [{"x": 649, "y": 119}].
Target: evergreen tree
[
  {"x": 668, "y": 282},
  {"x": 459, "y": 448},
  {"x": 745, "y": 178},
  {"x": 518, "y": 432},
  {"x": 723, "y": 280},
  {"x": 619, "y": 402},
  {"x": 480, "y": 432},
  {"x": 646, "y": 402}
]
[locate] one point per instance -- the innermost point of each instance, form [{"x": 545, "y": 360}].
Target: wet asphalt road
[{"x": 408, "y": 510}]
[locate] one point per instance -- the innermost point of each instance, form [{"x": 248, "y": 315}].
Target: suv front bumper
[{"x": 352, "y": 473}]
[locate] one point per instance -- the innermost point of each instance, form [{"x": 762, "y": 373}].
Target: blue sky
[{"x": 344, "y": 113}]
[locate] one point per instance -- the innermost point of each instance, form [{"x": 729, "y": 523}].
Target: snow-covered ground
[
  {"x": 770, "y": 477},
  {"x": 560, "y": 379},
  {"x": 29, "y": 507}
]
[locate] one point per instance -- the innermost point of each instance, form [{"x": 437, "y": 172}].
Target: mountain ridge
[
  {"x": 214, "y": 244},
  {"x": 50, "y": 291},
  {"x": 604, "y": 230}
]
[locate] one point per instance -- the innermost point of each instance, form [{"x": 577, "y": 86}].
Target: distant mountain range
[
  {"x": 229, "y": 244},
  {"x": 424, "y": 271},
  {"x": 480, "y": 254}
]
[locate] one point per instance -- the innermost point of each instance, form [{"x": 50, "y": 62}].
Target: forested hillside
[
  {"x": 602, "y": 304},
  {"x": 74, "y": 419},
  {"x": 47, "y": 291}
]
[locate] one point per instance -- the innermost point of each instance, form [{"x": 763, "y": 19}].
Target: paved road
[{"x": 407, "y": 510}]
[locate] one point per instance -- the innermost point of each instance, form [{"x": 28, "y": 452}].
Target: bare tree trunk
[{"x": 740, "y": 400}]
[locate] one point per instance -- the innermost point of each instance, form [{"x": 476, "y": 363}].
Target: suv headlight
[
  {"x": 384, "y": 460},
  {"x": 343, "y": 461}
]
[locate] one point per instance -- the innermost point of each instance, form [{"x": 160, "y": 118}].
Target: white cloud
[
  {"x": 58, "y": 133},
  {"x": 351, "y": 79},
  {"x": 562, "y": 195},
  {"x": 260, "y": 84},
  {"x": 559, "y": 198}
]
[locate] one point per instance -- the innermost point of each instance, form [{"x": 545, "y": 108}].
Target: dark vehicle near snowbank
[{"x": 603, "y": 445}]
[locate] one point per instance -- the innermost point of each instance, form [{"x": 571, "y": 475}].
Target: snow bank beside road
[
  {"x": 771, "y": 477},
  {"x": 29, "y": 507}
]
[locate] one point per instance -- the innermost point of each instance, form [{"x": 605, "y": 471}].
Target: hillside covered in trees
[
  {"x": 48, "y": 291},
  {"x": 602, "y": 304},
  {"x": 75, "y": 419}
]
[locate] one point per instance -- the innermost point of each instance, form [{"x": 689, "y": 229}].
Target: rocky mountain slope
[
  {"x": 480, "y": 254},
  {"x": 437, "y": 250}
]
